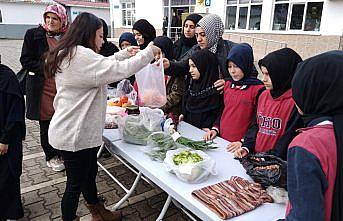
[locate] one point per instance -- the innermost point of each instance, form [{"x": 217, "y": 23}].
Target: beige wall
[{"x": 305, "y": 45}]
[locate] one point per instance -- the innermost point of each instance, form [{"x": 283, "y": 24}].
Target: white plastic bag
[
  {"x": 151, "y": 85},
  {"x": 136, "y": 129},
  {"x": 191, "y": 172},
  {"x": 158, "y": 145},
  {"x": 124, "y": 88}
]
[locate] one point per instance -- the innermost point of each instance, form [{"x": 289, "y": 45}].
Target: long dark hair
[{"x": 81, "y": 32}]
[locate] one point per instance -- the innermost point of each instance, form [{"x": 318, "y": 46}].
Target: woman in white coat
[{"x": 81, "y": 76}]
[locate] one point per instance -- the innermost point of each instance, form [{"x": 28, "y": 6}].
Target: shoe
[
  {"x": 56, "y": 164},
  {"x": 105, "y": 154},
  {"x": 100, "y": 213}
]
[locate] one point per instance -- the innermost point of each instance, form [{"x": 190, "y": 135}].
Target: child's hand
[
  {"x": 233, "y": 146},
  {"x": 132, "y": 50},
  {"x": 219, "y": 84},
  {"x": 3, "y": 149},
  {"x": 240, "y": 153},
  {"x": 181, "y": 117},
  {"x": 210, "y": 135}
]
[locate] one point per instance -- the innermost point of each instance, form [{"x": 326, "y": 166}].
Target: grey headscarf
[{"x": 214, "y": 29}]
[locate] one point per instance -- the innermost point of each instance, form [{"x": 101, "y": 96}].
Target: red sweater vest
[
  {"x": 240, "y": 106},
  {"x": 272, "y": 118},
  {"x": 321, "y": 142}
]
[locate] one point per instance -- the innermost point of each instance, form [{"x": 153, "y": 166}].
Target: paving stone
[
  {"x": 37, "y": 210},
  {"x": 31, "y": 197},
  {"x": 51, "y": 197}
]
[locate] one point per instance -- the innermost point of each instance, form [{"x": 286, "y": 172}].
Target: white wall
[
  {"x": 103, "y": 13},
  {"x": 332, "y": 18},
  {"x": 17, "y": 13},
  {"x": 151, "y": 10}
]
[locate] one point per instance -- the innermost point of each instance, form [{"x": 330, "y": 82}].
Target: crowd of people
[{"x": 294, "y": 111}]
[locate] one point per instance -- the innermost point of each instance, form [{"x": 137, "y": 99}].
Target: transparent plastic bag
[
  {"x": 151, "y": 86},
  {"x": 158, "y": 145},
  {"x": 124, "y": 88},
  {"x": 111, "y": 121},
  {"x": 136, "y": 129},
  {"x": 191, "y": 172},
  {"x": 279, "y": 195}
]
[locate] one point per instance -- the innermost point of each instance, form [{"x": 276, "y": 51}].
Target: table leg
[
  {"x": 164, "y": 209},
  {"x": 128, "y": 194}
]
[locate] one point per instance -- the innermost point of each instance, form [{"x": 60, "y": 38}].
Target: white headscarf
[{"x": 214, "y": 29}]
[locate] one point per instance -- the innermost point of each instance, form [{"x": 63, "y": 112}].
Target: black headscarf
[
  {"x": 190, "y": 41},
  {"x": 201, "y": 94},
  {"x": 166, "y": 46},
  {"x": 127, "y": 36},
  {"x": 317, "y": 89},
  {"x": 107, "y": 48},
  {"x": 147, "y": 30},
  {"x": 281, "y": 65},
  {"x": 242, "y": 55}
]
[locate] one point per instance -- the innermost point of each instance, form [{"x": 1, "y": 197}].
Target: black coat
[
  {"x": 34, "y": 47},
  {"x": 181, "y": 68}
]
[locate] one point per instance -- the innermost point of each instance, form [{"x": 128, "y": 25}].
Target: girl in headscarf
[
  {"x": 202, "y": 102},
  {"x": 240, "y": 97},
  {"x": 127, "y": 39},
  {"x": 315, "y": 156},
  {"x": 188, "y": 39},
  {"x": 12, "y": 132},
  {"x": 144, "y": 33},
  {"x": 40, "y": 91},
  {"x": 175, "y": 86},
  {"x": 277, "y": 117},
  {"x": 208, "y": 33},
  {"x": 107, "y": 48}
]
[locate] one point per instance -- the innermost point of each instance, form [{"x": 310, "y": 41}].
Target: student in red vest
[
  {"x": 315, "y": 174},
  {"x": 277, "y": 117},
  {"x": 240, "y": 97}
]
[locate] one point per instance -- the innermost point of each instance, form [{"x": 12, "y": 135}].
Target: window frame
[
  {"x": 289, "y": 17},
  {"x": 1, "y": 19},
  {"x": 132, "y": 9},
  {"x": 238, "y": 6}
]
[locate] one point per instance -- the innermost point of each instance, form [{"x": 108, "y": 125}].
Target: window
[
  {"x": 243, "y": 14},
  {"x": 290, "y": 15},
  {"x": 128, "y": 12}
]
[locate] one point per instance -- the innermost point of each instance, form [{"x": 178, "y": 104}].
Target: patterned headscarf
[
  {"x": 214, "y": 29},
  {"x": 61, "y": 13}
]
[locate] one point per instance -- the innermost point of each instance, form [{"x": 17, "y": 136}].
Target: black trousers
[
  {"x": 49, "y": 151},
  {"x": 81, "y": 168},
  {"x": 10, "y": 198}
]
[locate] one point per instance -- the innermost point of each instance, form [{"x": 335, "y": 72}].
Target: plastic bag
[
  {"x": 151, "y": 86},
  {"x": 279, "y": 195},
  {"x": 124, "y": 88},
  {"x": 191, "y": 172},
  {"x": 158, "y": 145},
  {"x": 136, "y": 129},
  {"x": 266, "y": 169},
  {"x": 111, "y": 121}
]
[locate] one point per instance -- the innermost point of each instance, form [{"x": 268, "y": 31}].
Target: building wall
[
  {"x": 306, "y": 43},
  {"x": 103, "y": 13},
  {"x": 17, "y": 13}
]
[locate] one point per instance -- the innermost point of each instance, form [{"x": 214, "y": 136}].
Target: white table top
[{"x": 226, "y": 167}]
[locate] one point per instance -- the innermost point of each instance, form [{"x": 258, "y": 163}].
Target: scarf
[
  {"x": 166, "y": 46},
  {"x": 317, "y": 90},
  {"x": 61, "y": 13},
  {"x": 281, "y": 65},
  {"x": 107, "y": 48},
  {"x": 242, "y": 55},
  {"x": 201, "y": 94},
  {"x": 129, "y": 37},
  {"x": 213, "y": 28},
  {"x": 188, "y": 42},
  {"x": 147, "y": 30}
]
